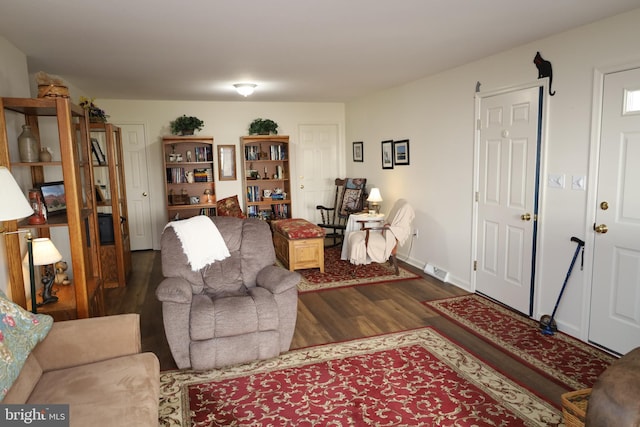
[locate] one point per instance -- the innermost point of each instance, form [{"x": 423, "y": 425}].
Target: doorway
[
  {"x": 318, "y": 164},
  {"x": 508, "y": 144},
  {"x": 614, "y": 314},
  {"x": 137, "y": 184}
]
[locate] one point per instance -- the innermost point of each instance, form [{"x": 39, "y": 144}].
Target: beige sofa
[{"x": 96, "y": 366}]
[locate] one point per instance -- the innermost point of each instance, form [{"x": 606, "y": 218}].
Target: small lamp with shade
[
  {"x": 45, "y": 254},
  {"x": 15, "y": 206},
  {"x": 374, "y": 200}
]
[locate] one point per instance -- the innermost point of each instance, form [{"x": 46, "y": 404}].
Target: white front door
[
  {"x": 317, "y": 167},
  {"x": 615, "y": 293},
  {"x": 506, "y": 196},
  {"x": 137, "y": 183}
]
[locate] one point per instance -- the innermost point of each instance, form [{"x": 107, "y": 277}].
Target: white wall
[
  {"x": 437, "y": 115},
  {"x": 14, "y": 82},
  {"x": 225, "y": 121}
]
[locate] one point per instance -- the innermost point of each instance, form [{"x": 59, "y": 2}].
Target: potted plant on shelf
[
  {"x": 96, "y": 114},
  {"x": 263, "y": 127},
  {"x": 186, "y": 125}
]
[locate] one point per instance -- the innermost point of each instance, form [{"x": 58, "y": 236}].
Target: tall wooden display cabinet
[
  {"x": 66, "y": 131},
  {"x": 111, "y": 203}
]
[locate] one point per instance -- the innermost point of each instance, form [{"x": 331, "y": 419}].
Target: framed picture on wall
[
  {"x": 387, "y": 154},
  {"x": 401, "y": 152},
  {"x": 358, "y": 155},
  {"x": 227, "y": 162}
]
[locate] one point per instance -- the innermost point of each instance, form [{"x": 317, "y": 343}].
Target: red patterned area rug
[
  {"x": 339, "y": 273},
  {"x": 569, "y": 361},
  {"x": 410, "y": 378}
]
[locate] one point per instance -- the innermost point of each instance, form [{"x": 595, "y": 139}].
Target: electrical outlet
[{"x": 415, "y": 233}]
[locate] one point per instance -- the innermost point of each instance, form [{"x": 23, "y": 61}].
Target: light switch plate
[{"x": 555, "y": 180}]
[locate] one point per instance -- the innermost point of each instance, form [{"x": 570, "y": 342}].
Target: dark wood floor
[{"x": 331, "y": 316}]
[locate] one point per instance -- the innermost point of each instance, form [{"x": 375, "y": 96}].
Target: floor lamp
[{"x": 15, "y": 206}]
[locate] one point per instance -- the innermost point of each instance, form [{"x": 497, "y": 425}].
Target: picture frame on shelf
[
  {"x": 401, "y": 152},
  {"x": 227, "y": 163},
  {"x": 387, "y": 154},
  {"x": 54, "y": 197},
  {"x": 358, "y": 153},
  {"x": 97, "y": 152}
]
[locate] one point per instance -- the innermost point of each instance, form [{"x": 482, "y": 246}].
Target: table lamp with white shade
[
  {"x": 14, "y": 203},
  {"x": 45, "y": 254},
  {"x": 374, "y": 199},
  {"x": 15, "y": 206}
]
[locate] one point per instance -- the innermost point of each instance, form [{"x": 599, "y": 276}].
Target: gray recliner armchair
[{"x": 232, "y": 311}]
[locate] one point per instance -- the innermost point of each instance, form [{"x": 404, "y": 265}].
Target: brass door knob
[
  {"x": 602, "y": 228},
  {"x": 526, "y": 217}
]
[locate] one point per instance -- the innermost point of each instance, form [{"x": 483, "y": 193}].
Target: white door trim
[
  {"x": 544, "y": 111},
  {"x": 592, "y": 185}
]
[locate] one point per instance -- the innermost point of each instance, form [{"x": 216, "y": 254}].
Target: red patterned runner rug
[
  {"x": 566, "y": 360},
  {"x": 339, "y": 273},
  {"x": 410, "y": 378}
]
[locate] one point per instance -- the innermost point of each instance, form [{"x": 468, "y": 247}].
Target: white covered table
[{"x": 354, "y": 224}]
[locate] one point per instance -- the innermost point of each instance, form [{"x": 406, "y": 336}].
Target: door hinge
[
  {"x": 477, "y": 196},
  {"x": 478, "y": 124},
  {"x": 475, "y": 265}
]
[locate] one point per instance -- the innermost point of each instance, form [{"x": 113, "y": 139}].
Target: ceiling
[{"x": 295, "y": 50}]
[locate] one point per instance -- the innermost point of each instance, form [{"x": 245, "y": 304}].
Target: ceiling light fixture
[{"x": 245, "y": 89}]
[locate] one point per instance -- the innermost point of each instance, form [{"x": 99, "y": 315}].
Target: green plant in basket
[
  {"x": 263, "y": 127},
  {"x": 186, "y": 125}
]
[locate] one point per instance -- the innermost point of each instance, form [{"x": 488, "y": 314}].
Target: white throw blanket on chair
[
  {"x": 380, "y": 245},
  {"x": 201, "y": 241}
]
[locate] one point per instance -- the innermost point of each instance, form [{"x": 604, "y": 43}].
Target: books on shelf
[
  {"x": 253, "y": 193},
  {"x": 252, "y": 152},
  {"x": 276, "y": 152},
  {"x": 203, "y": 154},
  {"x": 208, "y": 211},
  {"x": 175, "y": 176},
  {"x": 280, "y": 211},
  {"x": 276, "y": 211},
  {"x": 203, "y": 175}
]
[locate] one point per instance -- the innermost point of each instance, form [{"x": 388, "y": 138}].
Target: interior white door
[
  {"x": 506, "y": 209},
  {"x": 615, "y": 294},
  {"x": 317, "y": 166},
  {"x": 137, "y": 183}
]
